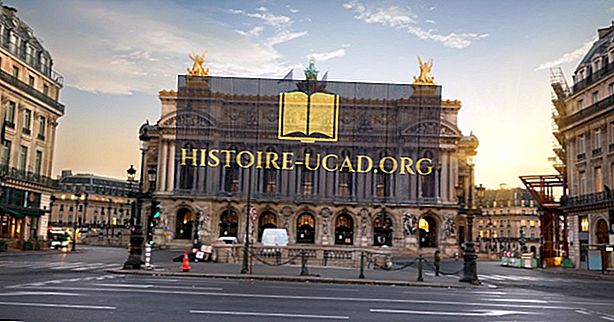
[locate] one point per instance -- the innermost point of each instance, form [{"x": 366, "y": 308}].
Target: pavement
[{"x": 50, "y": 286}]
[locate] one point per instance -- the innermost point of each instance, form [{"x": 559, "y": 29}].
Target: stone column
[{"x": 162, "y": 165}]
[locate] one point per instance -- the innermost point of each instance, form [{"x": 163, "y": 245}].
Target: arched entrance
[
  {"x": 305, "y": 229},
  {"x": 344, "y": 230},
  {"x": 267, "y": 220},
  {"x": 427, "y": 232},
  {"x": 229, "y": 223},
  {"x": 184, "y": 224},
  {"x": 382, "y": 230},
  {"x": 601, "y": 232}
]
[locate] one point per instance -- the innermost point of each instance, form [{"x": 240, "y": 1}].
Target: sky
[{"x": 493, "y": 56}]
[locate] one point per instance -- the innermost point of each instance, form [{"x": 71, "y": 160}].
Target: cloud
[
  {"x": 326, "y": 56},
  {"x": 281, "y": 24},
  {"x": 569, "y": 56},
  {"x": 429, "y": 21},
  {"x": 403, "y": 19},
  {"x": 256, "y": 31},
  {"x": 292, "y": 10}
]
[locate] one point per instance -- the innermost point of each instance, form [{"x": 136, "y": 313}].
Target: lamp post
[
  {"x": 489, "y": 237},
  {"x": 134, "y": 260},
  {"x": 77, "y": 197},
  {"x": 245, "y": 266},
  {"x": 470, "y": 274},
  {"x": 151, "y": 177},
  {"x": 109, "y": 223}
]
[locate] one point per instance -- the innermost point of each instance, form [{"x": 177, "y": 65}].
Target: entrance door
[
  {"x": 305, "y": 229},
  {"x": 266, "y": 220},
  {"x": 184, "y": 224},
  {"x": 382, "y": 230},
  {"x": 344, "y": 230},
  {"x": 428, "y": 232}
]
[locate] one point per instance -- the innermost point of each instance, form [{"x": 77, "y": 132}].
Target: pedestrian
[{"x": 437, "y": 262}]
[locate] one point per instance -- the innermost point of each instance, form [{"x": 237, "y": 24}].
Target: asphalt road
[{"x": 75, "y": 287}]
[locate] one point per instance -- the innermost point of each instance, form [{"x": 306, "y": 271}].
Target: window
[
  {"x": 580, "y": 104},
  {"x": 46, "y": 89},
  {"x": 9, "y": 117},
  {"x": 611, "y": 89},
  {"x": 38, "y": 163},
  {"x": 31, "y": 80},
  {"x": 6, "y": 153},
  {"x": 597, "y": 143},
  {"x": 581, "y": 144},
  {"x": 15, "y": 71},
  {"x": 595, "y": 97},
  {"x": 61, "y": 207},
  {"x": 27, "y": 121},
  {"x": 41, "y": 127},
  {"x": 598, "y": 179},
  {"x": 584, "y": 224},
  {"x": 582, "y": 187},
  {"x": 23, "y": 158}
]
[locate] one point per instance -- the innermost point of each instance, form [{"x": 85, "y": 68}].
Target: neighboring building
[
  {"x": 103, "y": 202},
  {"x": 406, "y": 214},
  {"x": 585, "y": 119},
  {"x": 508, "y": 222},
  {"x": 29, "y": 101}
]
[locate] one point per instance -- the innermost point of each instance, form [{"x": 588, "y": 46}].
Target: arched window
[
  {"x": 305, "y": 229},
  {"x": 267, "y": 220},
  {"x": 229, "y": 223},
  {"x": 184, "y": 224},
  {"x": 382, "y": 230},
  {"x": 344, "y": 230},
  {"x": 427, "y": 228}
]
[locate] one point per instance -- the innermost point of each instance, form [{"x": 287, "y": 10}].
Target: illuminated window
[
  {"x": 532, "y": 223},
  {"x": 584, "y": 224}
]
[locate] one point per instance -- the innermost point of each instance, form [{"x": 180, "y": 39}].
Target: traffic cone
[{"x": 185, "y": 266}]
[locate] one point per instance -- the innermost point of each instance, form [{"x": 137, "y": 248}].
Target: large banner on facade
[{"x": 306, "y": 139}]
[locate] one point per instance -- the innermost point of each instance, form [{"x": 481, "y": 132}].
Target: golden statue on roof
[
  {"x": 197, "y": 68},
  {"x": 425, "y": 69}
]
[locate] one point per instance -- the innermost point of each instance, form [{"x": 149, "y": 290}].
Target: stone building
[
  {"x": 104, "y": 203},
  {"x": 29, "y": 101},
  {"x": 508, "y": 222},
  {"x": 339, "y": 208},
  {"x": 585, "y": 119}
]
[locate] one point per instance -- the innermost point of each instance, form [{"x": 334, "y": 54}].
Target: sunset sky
[{"x": 493, "y": 56}]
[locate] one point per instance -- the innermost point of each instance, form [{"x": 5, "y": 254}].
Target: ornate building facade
[
  {"x": 509, "y": 222},
  {"x": 323, "y": 206},
  {"x": 29, "y": 100},
  {"x": 586, "y": 128}
]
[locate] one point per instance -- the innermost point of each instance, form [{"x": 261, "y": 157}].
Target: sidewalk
[
  {"x": 579, "y": 273},
  {"x": 291, "y": 273}
]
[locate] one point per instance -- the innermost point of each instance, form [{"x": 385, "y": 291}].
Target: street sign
[{"x": 252, "y": 214}]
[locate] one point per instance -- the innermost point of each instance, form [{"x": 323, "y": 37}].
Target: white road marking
[
  {"x": 60, "y": 305},
  {"x": 282, "y": 315},
  {"x": 607, "y": 318},
  {"x": 314, "y": 298},
  {"x": 68, "y": 265},
  {"x": 475, "y": 313},
  {"x": 515, "y": 300},
  {"x": 582, "y": 312},
  {"x": 40, "y": 293}
]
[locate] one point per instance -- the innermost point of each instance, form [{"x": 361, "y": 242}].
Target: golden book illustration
[{"x": 308, "y": 117}]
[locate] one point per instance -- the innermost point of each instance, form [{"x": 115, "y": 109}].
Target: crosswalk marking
[{"x": 59, "y": 265}]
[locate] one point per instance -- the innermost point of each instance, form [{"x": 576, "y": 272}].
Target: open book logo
[{"x": 308, "y": 117}]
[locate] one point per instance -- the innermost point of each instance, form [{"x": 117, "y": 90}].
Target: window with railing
[
  {"x": 23, "y": 158},
  {"x": 6, "y": 153},
  {"x": 42, "y": 123},
  {"x": 38, "y": 163},
  {"x": 27, "y": 121}
]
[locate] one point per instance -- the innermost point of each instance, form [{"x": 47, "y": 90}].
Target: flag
[{"x": 325, "y": 77}]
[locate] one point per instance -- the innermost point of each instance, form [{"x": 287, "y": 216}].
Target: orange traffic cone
[{"x": 185, "y": 266}]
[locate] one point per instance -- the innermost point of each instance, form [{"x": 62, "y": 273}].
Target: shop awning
[{"x": 20, "y": 211}]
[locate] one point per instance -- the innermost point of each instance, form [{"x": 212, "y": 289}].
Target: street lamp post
[
  {"x": 489, "y": 237},
  {"x": 134, "y": 260},
  {"x": 470, "y": 273},
  {"x": 245, "y": 266},
  {"x": 77, "y": 197},
  {"x": 109, "y": 222}
]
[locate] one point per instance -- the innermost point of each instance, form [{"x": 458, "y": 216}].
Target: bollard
[
  {"x": 362, "y": 265},
  {"x": 304, "y": 271},
  {"x": 437, "y": 262},
  {"x": 148, "y": 256},
  {"x": 420, "y": 278}
]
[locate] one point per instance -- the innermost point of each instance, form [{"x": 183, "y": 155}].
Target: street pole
[
  {"x": 74, "y": 222},
  {"x": 111, "y": 217},
  {"x": 470, "y": 273},
  {"x": 245, "y": 266}
]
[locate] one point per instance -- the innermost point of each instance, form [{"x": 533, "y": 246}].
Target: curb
[{"x": 286, "y": 278}]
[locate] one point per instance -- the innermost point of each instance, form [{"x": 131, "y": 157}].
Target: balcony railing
[
  {"x": 581, "y": 156},
  {"x": 596, "y": 152},
  {"x": 33, "y": 61},
  {"x": 587, "y": 200},
  {"x": 589, "y": 111},
  {"x": 27, "y": 176},
  {"x": 4, "y": 76},
  {"x": 593, "y": 77}
]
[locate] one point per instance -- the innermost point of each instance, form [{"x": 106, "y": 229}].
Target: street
[{"x": 50, "y": 286}]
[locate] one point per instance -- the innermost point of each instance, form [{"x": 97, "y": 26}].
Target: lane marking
[
  {"x": 300, "y": 297},
  {"x": 515, "y": 300},
  {"x": 496, "y": 313},
  {"x": 607, "y": 318},
  {"x": 582, "y": 312},
  {"x": 68, "y": 266},
  {"x": 59, "y": 305},
  {"x": 40, "y": 293},
  {"x": 281, "y": 315},
  {"x": 150, "y": 286}
]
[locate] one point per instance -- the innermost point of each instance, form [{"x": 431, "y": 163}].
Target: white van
[{"x": 275, "y": 237}]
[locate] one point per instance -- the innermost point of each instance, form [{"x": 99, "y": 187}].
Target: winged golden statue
[
  {"x": 197, "y": 68},
  {"x": 425, "y": 69}
]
